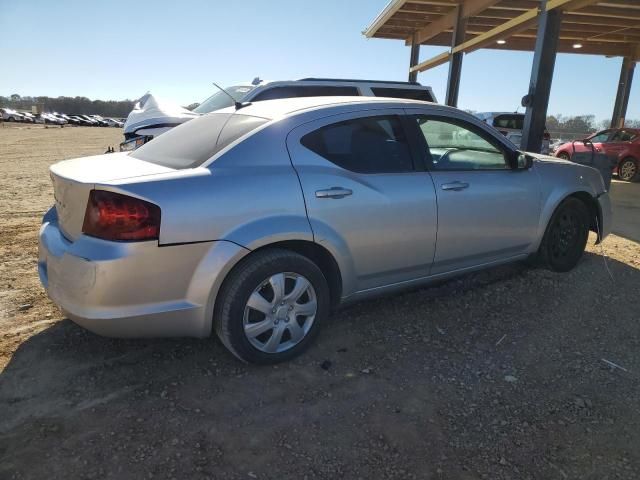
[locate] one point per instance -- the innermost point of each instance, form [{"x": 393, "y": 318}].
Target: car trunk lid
[{"x": 74, "y": 179}]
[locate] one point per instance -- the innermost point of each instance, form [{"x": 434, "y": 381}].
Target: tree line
[
  {"x": 70, "y": 105},
  {"x": 580, "y": 125}
]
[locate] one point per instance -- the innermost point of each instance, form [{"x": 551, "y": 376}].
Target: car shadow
[{"x": 387, "y": 380}]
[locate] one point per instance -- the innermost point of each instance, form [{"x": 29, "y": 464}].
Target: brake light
[{"x": 113, "y": 216}]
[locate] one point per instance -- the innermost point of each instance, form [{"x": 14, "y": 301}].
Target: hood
[{"x": 149, "y": 112}]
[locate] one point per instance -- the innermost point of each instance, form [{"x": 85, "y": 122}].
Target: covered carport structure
[{"x": 546, "y": 27}]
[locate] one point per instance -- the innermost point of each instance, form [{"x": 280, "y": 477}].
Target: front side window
[
  {"x": 363, "y": 145},
  {"x": 306, "y": 91},
  {"x": 601, "y": 137},
  {"x": 456, "y": 146}
]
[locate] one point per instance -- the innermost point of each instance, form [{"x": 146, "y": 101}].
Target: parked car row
[{"x": 54, "y": 118}]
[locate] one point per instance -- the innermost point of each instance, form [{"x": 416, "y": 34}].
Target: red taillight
[{"x": 113, "y": 216}]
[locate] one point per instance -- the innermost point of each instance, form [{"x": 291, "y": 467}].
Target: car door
[
  {"x": 599, "y": 141},
  {"x": 617, "y": 145},
  {"x": 487, "y": 211},
  {"x": 365, "y": 199}
]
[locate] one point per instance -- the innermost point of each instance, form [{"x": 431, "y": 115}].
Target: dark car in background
[{"x": 510, "y": 124}]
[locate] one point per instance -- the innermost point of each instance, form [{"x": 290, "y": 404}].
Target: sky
[{"x": 120, "y": 49}]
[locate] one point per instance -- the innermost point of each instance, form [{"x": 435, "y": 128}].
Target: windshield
[{"x": 219, "y": 100}]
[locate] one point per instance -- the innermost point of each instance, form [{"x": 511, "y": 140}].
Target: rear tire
[
  {"x": 566, "y": 236},
  {"x": 271, "y": 306},
  {"x": 628, "y": 170}
]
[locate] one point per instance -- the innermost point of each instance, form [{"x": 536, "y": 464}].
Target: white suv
[
  {"x": 510, "y": 124},
  {"x": 150, "y": 118}
]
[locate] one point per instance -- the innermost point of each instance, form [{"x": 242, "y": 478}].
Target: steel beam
[
  {"x": 414, "y": 59},
  {"x": 455, "y": 64},
  {"x": 544, "y": 59},
  {"x": 624, "y": 89}
]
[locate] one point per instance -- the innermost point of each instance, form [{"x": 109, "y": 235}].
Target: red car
[{"x": 621, "y": 145}]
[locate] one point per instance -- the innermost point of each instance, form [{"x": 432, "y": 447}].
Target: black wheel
[
  {"x": 11, "y": 119},
  {"x": 271, "y": 306},
  {"x": 566, "y": 236},
  {"x": 564, "y": 156},
  {"x": 628, "y": 170}
]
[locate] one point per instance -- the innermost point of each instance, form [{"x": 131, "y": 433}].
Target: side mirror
[{"x": 522, "y": 161}]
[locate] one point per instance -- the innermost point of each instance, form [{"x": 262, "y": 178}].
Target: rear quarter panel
[{"x": 249, "y": 195}]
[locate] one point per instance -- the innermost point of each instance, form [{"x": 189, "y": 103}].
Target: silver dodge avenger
[{"x": 256, "y": 221}]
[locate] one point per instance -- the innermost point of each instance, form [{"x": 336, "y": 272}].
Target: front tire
[
  {"x": 271, "y": 306},
  {"x": 564, "y": 156},
  {"x": 628, "y": 170},
  {"x": 566, "y": 236}
]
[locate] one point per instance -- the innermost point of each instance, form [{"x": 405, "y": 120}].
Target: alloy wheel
[
  {"x": 280, "y": 312},
  {"x": 628, "y": 170}
]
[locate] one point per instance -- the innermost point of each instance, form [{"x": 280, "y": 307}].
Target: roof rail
[{"x": 314, "y": 79}]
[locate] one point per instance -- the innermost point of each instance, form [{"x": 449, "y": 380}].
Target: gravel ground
[{"x": 496, "y": 375}]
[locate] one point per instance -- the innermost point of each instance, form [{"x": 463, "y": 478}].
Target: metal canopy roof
[{"x": 600, "y": 27}]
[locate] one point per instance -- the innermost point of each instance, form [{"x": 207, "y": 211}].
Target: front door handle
[
  {"x": 333, "y": 192},
  {"x": 455, "y": 186}
]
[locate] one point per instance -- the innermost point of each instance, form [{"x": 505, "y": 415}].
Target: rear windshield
[
  {"x": 193, "y": 143},
  {"x": 515, "y": 121}
]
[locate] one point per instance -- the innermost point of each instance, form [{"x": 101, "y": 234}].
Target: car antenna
[{"x": 236, "y": 103}]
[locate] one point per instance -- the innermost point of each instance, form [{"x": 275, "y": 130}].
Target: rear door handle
[
  {"x": 455, "y": 186},
  {"x": 333, "y": 192}
]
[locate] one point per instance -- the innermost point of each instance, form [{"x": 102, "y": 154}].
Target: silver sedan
[{"x": 256, "y": 222}]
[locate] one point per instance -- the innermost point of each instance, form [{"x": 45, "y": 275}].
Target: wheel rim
[
  {"x": 628, "y": 170},
  {"x": 565, "y": 235},
  {"x": 563, "y": 156},
  {"x": 280, "y": 312}
]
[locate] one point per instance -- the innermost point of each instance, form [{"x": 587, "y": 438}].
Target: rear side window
[
  {"x": 514, "y": 121},
  {"x": 623, "y": 136},
  {"x": 409, "y": 93},
  {"x": 193, "y": 143},
  {"x": 363, "y": 145},
  {"x": 306, "y": 91}
]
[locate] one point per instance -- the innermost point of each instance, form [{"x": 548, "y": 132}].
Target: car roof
[{"x": 272, "y": 109}]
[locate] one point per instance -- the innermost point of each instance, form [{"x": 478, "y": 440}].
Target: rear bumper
[{"x": 134, "y": 289}]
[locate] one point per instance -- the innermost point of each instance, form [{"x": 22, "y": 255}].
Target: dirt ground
[{"x": 496, "y": 375}]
